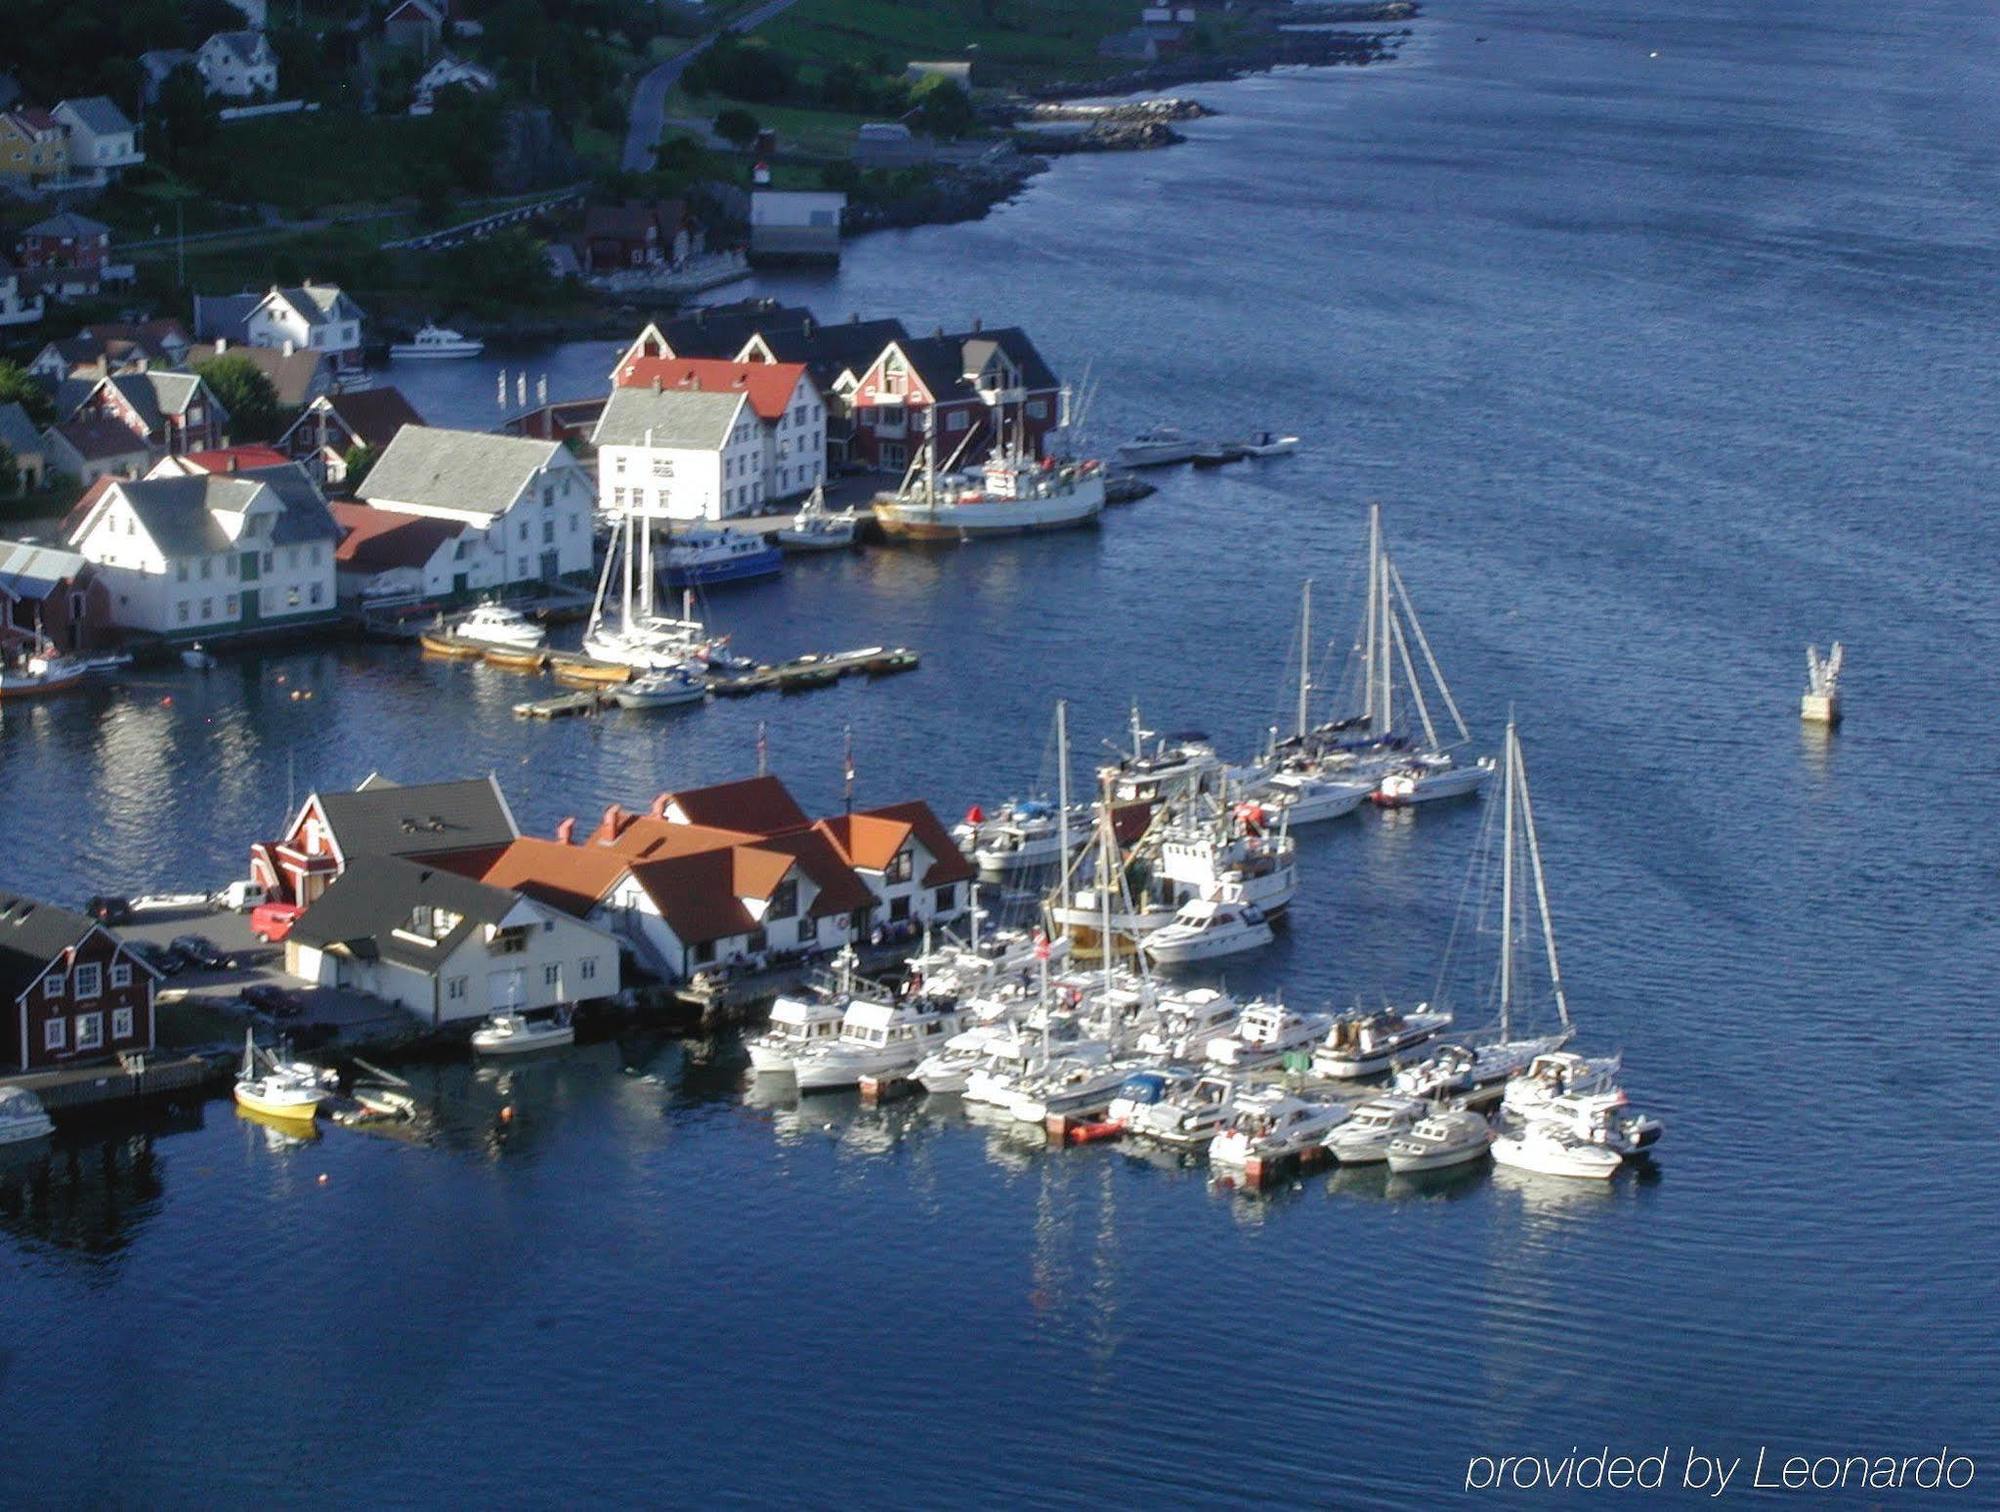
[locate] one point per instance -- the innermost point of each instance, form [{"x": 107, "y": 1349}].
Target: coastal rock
[{"x": 1110, "y": 136}]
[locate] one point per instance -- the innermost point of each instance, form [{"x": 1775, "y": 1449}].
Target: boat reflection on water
[
  {"x": 1447, "y": 1184},
  {"x": 1546, "y": 1196},
  {"x": 279, "y": 1134}
]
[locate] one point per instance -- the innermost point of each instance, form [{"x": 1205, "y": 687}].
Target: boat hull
[
  {"x": 949, "y": 520},
  {"x": 1585, "y": 1163},
  {"x": 22, "y": 1130},
  {"x": 1166, "y": 949},
  {"x": 450, "y": 646},
  {"x": 743, "y": 568},
  {"x": 1442, "y": 1158},
  {"x": 286, "y": 1109},
  {"x": 523, "y": 1044},
  {"x": 1433, "y": 787}
]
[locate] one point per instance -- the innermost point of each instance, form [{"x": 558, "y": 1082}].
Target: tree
[
  {"x": 358, "y": 459},
  {"x": 245, "y": 392},
  {"x": 942, "y": 108},
  {"x": 735, "y": 124},
  {"x": 10, "y": 471},
  {"x": 183, "y": 114},
  {"x": 19, "y": 387}
]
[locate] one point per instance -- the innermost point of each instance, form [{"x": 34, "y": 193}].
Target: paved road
[{"x": 649, "y": 96}]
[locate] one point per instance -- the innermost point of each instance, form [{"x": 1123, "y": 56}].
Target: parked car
[
  {"x": 161, "y": 959},
  {"x": 110, "y": 910},
  {"x": 271, "y": 998},
  {"x": 271, "y": 922},
  {"x": 199, "y": 951}
]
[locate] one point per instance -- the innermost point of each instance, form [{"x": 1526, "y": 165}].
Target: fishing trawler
[{"x": 1012, "y": 494}]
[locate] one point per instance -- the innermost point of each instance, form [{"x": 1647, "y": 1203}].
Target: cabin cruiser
[
  {"x": 1159, "y": 446},
  {"x": 962, "y": 966},
  {"x": 1000, "y": 1048},
  {"x": 1460, "y": 1068},
  {"x": 436, "y": 343},
  {"x": 1192, "y": 1109},
  {"x": 804, "y": 1020},
  {"x": 1022, "y": 836},
  {"x": 1602, "y": 1118},
  {"x": 1432, "y": 775},
  {"x": 817, "y": 528},
  {"x": 497, "y": 625},
  {"x": 1549, "y": 1150},
  {"x": 1238, "y": 850},
  {"x": 1558, "y": 1073},
  {"x": 1185, "y": 1022},
  {"x": 1270, "y": 1124},
  {"x": 878, "y": 1039},
  {"x": 1072, "y": 1085},
  {"x": 275, "y": 1091},
  {"x": 1364, "y": 1138},
  {"x": 1311, "y": 796},
  {"x": 1361, "y": 1044},
  {"x": 661, "y": 688},
  {"x": 702, "y": 555},
  {"x": 517, "y": 1034},
  {"x": 21, "y": 1116},
  {"x": 1175, "y": 765},
  {"x": 1206, "y": 929},
  {"x": 1438, "y": 1140},
  {"x": 1267, "y": 1032}
]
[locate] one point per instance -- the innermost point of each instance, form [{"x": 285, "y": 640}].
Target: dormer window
[{"x": 899, "y": 867}]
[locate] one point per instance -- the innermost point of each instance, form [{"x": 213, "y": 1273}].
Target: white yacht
[
  {"x": 1074, "y": 1085},
  {"x": 1159, "y": 446},
  {"x": 497, "y": 625},
  {"x": 1549, "y": 1150},
  {"x": 1603, "y": 1118},
  {"x": 817, "y": 528},
  {"x": 1559, "y": 1073},
  {"x": 516, "y": 1034},
  {"x": 808, "y": 1018},
  {"x": 1438, "y": 1140},
  {"x": 1430, "y": 776},
  {"x": 1465, "y": 1067},
  {"x": 22, "y": 1117},
  {"x": 1185, "y": 1022},
  {"x": 1364, "y": 1138},
  {"x": 1204, "y": 930},
  {"x": 1020, "y": 838},
  {"x": 1266, "y": 1033},
  {"x": 436, "y": 343},
  {"x": 1192, "y": 1109},
  {"x": 1313, "y": 796},
  {"x": 999, "y": 1050},
  {"x": 1269, "y": 1124},
  {"x": 878, "y": 1039},
  {"x": 1265, "y": 443},
  {"x": 662, "y": 688},
  {"x": 1361, "y": 1044}
]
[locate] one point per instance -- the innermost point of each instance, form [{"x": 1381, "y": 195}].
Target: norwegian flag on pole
[{"x": 1041, "y": 946}]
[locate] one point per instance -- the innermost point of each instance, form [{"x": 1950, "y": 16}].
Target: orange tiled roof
[{"x": 770, "y": 385}]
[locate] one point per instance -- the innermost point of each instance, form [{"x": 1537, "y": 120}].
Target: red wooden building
[
  {"x": 70, "y": 992},
  {"x": 959, "y": 394}
]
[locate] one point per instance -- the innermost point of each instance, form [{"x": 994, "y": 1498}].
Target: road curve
[{"x": 649, "y": 96}]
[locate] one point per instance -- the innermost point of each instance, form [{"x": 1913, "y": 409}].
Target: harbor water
[{"x": 1664, "y": 341}]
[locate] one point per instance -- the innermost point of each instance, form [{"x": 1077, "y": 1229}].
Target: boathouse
[
  {"x": 70, "y": 992},
  {"x": 961, "y": 394}
]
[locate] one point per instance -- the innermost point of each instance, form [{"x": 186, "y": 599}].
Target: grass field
[{"x": 1011, "y": 41}]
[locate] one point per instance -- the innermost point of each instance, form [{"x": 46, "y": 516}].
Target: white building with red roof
[{"x": 694, "y": 438}]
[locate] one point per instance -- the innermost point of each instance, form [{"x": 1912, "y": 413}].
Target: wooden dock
[
  {"x": 87, "y": 1089},
  {"x": 804, "y": 673},
  {"x": 561, "y": 706}
]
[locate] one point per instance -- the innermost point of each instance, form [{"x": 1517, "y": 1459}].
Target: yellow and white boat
[{"x": 275, "y": 1091}]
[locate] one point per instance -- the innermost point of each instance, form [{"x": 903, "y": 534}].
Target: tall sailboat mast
[
  {"x": 1062, "y": 790},
  {"x": 1507, "y": 887},
  {"x": 1516, "y": 766},
  {"x": 1305, "y": 656}
]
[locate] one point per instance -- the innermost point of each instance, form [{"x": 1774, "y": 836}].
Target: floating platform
[
  {"x": 805, "y": 673},
  {"x": 560, "y": 707}
]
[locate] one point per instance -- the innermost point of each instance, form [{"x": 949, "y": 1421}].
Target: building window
[
  {"x": 53, "y": 985},
  {"x": 121, "y": 976},
  {"x": 89, "y": 980},
  {"x": 208, "y": 609},
  {"x": 312, "y": 556},
  {"x": 957, "y": 420},
  {"x": 586, "y": 969},
  {"x": 231, "y": 606},
  {"x": 898, "y": 869},
  {"x": 551, "y": 975},
  {"x": 180, "y": 572},
  {"x": 207, "y": 569},
  {"x": 1038, "y": 409},
  {"x": 524, "y": 530},
  {"x": 89, "y": 1030},
  {"x": 808, "y": 930},
  {"x": 55, "y": 1034},
  {"x": 270, "y": 557},
  {"x": 663, "y": 467},
  {"x": 121, "y": 1023},
  {"x": 705, "y": 951},
  {"x": 181, "y": 611},
  {"x": 784, "y": 899},
  {"x": 548, "y": 532},
  {"x": 899, "y": 910},
  {"x": 455, "y": 989},
  {"x": 315, "y": 592},
  {"x": 947, "y": 898}
]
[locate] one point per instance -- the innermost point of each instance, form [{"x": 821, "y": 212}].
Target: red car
[{"x": 271, "y": 922}]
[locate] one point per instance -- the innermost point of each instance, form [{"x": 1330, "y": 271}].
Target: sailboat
[
  {"x": 1305, "y": 792},
  {"x": 625, "y": 627},
  {"x": 1491, "y": 1056}
]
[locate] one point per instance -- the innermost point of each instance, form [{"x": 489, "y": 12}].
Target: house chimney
[
  {"x": 566, "y": 831},
  {"x": 659, "y": 808},
  {"x": 976, "y": 324},
  {"x": 612, "y": 823},
  {"x": 807, "y": 327},
  {"x": 290, "y": 348}
]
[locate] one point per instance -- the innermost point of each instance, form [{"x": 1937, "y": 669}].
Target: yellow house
[{"x": 33, "y": 145}]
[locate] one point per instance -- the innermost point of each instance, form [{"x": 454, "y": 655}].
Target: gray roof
[
  {"x": 454, "y": 469},
  {"x": 306, "y": 516},
  {"x": 669, "y": 417},
  {"x": 319, "y": 303},
  {"x": 383, "y": 818},
  {"x": 98, "y": 115},
  {"x": 67, "y": 223},
  {"x": 378, "y": 895},
  {"x": 249, "y": 46},
  {"x": 179, "y": 513},
  {"x": 33, "y": 934},
  {"x": 28, "y": 571},
  {"x": 17, "y": 431},
  {"x": 294, "y": 374},
  {"x": 223, "y": 315},
  {"x": 156, "y": 395},
  {"x": 71, "y": 394}
]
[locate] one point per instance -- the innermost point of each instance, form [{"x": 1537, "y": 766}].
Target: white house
[
  {"x": 214, "y": 554},
  {"x": 102, "y": 141},
  {"x": 447, "y": 73},
  {"x": 312, "y": 317},
  {"x": 679, "y": 453},
  {"x": 800, "y": 225},
  {"x": 238, "y": 64},
  {"x": 788, "y": 412},
  {"x": 16, "y": 308},
  {"x": 445, "y": 948},
  {"x": 527, "y": 504}
]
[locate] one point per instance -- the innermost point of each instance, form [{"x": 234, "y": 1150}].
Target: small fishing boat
[
  {"x": 1207, "y": 928},
  {"x": 817, "y": 528},
  {"x": 1188, "y": 1113},
  {"x": 41, "y": 675},
  {"x": 1439, "y": 1140},
  {"x": 701, "y": 555},
  {"x": 498, "y": 625},
  {"x": 22, "y": 1117},
  {"x": 889, "y": 661},
  {"x": 1158, "y": 446},
  {"x": 661, "y": 689},
  {"x": 274, "y": 1091},
  {"x": 1265, "y": 443},
  {"x": 512, "y": 1033},
  {"x": 1013, "y": 494},
  {"x": 385, "y": 1102},
  {"x": 1361, "y": 1044},
  {"x": 1270, "y": 1124},
  {"x": 1364, "y": 1138},
  {"x": 436, "y": 343},
  {"x": 1548, "y": 1150},
  {"x": 1218, "y": 454},
  {"x": 807, "y": 673},
  {"x": 441, "y": 642}
]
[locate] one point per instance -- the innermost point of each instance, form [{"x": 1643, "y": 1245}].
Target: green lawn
[
  {"x": 306, "y": 163},
  {"x": 1015, "y": 40}
]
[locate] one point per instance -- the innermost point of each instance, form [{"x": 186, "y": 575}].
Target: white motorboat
[
  {"x": 1548, "y": 1150},
  {"x": 1362, "y": 1044},
  {"x": 1265, "y": 443},
  {"x": 1312, "y": 796},
  {"x": 1431, "y": 776},
  {"x": 1159, "y": 446},
  {"x": 512, "y": 1033},
  {"x": 661, "y": 688},
  {"x": 1185, "y": 1022},
  {"x": 809, "y": 1018},
  {"x": 879, "y": 1039},
  {"x": 1364, "y": 1138},
  {"x": 1266, "y": 1033},
  {"x": 436, "y": 343},
  {"x": 1270, "y": 1124},
  {"x": 498, "y": 625},
  {"x": 1603, "y": 1118},
  {"x": 22, "y": 1117},
  {"x": 1465, "y": 1067},
  {"x": 817, "y": 528},
  {"x": 1073, "y": 1085},
  {"x": 1439, "y": 1140},
  {"x": 1013, "y": 494},
  {"x": 41, "y": 674},
  {"x": 1000, "y": 1048},
  {"x": 1020, "y": 838},
  {"x": 1207, "y": 929},
  {"x": 1559, "y": 1073},
  {"x": 1190, "y": 1110}
]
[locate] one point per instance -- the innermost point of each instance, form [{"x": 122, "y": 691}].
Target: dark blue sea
[{"x": 1664, "y": 336}]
